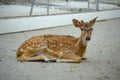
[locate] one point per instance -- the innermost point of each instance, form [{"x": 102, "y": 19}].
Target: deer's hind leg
[
  {"x": 29, "y": 56},
  {"x": 24, "y": 58}
]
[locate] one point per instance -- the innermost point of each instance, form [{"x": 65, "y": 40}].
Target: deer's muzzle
[{"x": 88, "y": 38}]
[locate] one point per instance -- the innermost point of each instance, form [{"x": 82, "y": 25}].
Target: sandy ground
[{"x": 103, "y": 56}]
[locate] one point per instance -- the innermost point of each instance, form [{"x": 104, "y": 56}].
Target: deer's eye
[
  {"x": 82, "y": 29},
  {"x": 91, "y": 29}
]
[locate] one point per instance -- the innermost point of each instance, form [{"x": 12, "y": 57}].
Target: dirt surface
[{"x": 103, "y": 56}]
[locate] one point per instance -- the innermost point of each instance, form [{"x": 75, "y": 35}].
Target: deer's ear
[
  {"x": 92, "y": 22},
  {"x": 77, "y": 23}
]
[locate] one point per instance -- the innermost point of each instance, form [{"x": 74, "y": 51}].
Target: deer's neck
[{"x": 81, "y": 45}]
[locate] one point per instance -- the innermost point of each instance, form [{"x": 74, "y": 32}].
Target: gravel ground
[{"x": 103, "y": 52}]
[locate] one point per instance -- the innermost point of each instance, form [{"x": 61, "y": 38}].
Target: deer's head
[{"x": 86, "y": 28}]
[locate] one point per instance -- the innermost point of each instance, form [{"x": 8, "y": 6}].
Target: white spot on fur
[
  {"x": 38, "y": 46},
  {"x": 21, "y": 50},
  {"x": 61, "y": 49},
  {"x": 54, "y": 45},
  {"x": 29, "y": 48},
  {"x": 60, "y": 54},
  {"x": 84, "y": 42},
  {"x": 33, "y": 45},
  {"x": 66, "y": 48},
  {"x": 61, "y": 44}
]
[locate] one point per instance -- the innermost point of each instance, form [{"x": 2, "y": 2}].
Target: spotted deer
[{"x": 58, "y": 48}]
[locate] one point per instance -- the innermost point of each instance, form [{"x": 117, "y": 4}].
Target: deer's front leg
[
  {"x": 68, "y": 60},
  {"x": 68, "y": 57}
]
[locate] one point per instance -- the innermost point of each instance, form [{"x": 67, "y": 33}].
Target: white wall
[{"x": 31, "y": 23}]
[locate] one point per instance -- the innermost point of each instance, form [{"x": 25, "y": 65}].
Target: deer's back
[{"x": 52, "y": 42}]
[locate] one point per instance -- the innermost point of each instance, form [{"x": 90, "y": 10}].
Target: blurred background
[{"x": 26, "y": 8}]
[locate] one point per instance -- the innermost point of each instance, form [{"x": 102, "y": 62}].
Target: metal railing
[
  {"x": 28, "y": 8},
  {"x": 48, "y": 1}
]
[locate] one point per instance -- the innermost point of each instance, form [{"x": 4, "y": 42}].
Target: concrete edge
[{"x": 32, "y": 23}]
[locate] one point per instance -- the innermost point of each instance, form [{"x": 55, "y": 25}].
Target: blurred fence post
[
  {"x": 47, "y": 7},
  {"x": 97, "y": 5},
  {"x": 33, "y": 2},
  {"x": 88, "y": 5}
]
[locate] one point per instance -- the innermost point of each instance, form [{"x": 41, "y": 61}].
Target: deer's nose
[{"x": 88, "y": 38}]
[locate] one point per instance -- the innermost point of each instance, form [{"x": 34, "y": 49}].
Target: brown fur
[{"x": 62, "y": 48}]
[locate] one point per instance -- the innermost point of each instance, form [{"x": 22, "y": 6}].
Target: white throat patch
[{"x": 84, "y": 42}]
